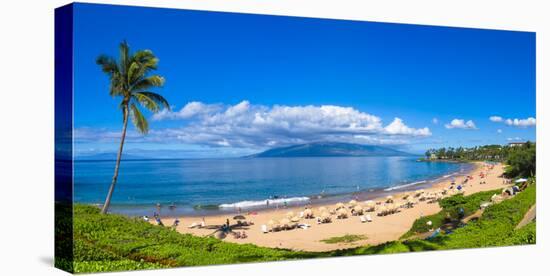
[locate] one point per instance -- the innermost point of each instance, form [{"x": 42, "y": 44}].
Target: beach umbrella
[
  {"x": 239, "y": 217},
  {"x": 369, "y": 203},
  {"x": 272, "y": 222},
  {"x": 285, "y": 222},
  {"x": 295, "y": 219},
  {"x": 339, "y": 205},
  {"x": 353, "y": 202},
  {"x": 325, "y": 215},
  {"x": 342, "y": 211},
  {"x": 322, "y": 209},
  {"x": 382, "y": 210},
  {"x": 290, "y": 214},
  {"x": 389, "y": 199}
]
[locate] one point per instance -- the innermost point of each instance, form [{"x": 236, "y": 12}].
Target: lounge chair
[
  {"x": 369, "y": 219},
  {"x": 304, "y": 226},
  {"x": 363, "y": 219},
  {"x": 264, "y": 229}
]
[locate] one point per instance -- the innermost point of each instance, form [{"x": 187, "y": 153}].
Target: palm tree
[{"x": 130, "y": 80}]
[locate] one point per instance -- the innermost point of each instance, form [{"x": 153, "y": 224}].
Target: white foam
[
  {"x": 272, "y": 202},
  {"x": 404, "y": 185}
]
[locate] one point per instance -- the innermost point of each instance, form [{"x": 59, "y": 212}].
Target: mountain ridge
[{"x": 329, "y": 149}]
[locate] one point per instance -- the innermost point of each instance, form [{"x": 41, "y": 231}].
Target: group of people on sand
[{"x": 388, "y": 206}]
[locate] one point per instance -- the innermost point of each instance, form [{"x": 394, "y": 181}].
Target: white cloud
[
  {"x": 529, "y": 122},
  {"x": 499, "y": 130},
  {"x": 399, "y": 128},
  {"x": 514, "y": 139},
  {"x": 246, "y": 125},
  {"x": 460, "y": 123},
  {"x": 523, "y": 123},
  {"x": 496, "y": 119},
  {"x": 190, "y": 110},
  {"x": 435, "y": 121}
]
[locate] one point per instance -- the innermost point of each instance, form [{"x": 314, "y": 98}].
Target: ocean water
[{"x": 198, "y": 186}]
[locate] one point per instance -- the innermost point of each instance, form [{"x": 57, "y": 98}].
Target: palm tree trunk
[{"x": 119, "y": 155}]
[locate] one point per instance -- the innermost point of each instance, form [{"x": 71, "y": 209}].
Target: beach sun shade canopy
[{"x": 239, "y": 217}]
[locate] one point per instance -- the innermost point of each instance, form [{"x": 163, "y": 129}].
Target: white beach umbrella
[
  {"x": 285, "y": 222},
  {"x": 295, "y": 219},
  {"x": 352, "y": 203},
  {"x": 339, "y": 205}
]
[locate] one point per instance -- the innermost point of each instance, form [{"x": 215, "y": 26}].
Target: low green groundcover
[{"x": 114, "y": 242}]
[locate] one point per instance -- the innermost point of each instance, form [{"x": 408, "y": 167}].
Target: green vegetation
[
  {"x": 114, "y": 242},
  {"x": 495, "y": 227},
  {"x": 453, "y": 208},
  {"x": 522, "y": 162},
  {"x": 521, "y": 159},
  {"x": 345, "y": 239},
  {"x": 130, "y": 80}
]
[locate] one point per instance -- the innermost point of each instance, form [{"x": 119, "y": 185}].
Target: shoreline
[
  {"x": 380, "y": 230},
  {"x": 291, "y": 202}
]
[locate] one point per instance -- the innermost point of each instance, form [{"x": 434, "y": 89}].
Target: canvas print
[{"x": 190, "y": 138}]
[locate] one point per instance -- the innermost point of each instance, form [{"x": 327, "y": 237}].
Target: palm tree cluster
[{"x": 521, "y": 159}]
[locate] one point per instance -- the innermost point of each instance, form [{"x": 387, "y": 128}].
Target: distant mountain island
[{"x": 329, "y": 149}]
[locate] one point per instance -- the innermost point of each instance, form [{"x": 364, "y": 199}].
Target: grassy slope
[
  {"x": 112, "y": 242},
  {"x": 451, "y": 206},
  {"x": 494, "y": 228}
]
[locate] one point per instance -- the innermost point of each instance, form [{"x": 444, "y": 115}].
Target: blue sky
[{"x": 241, "y": 83}]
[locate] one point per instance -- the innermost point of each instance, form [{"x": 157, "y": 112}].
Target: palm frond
[
  {"x": 138, "y": 119},
  {"x": 129, "y": 78},
  {"x": 148, "y": 82},
  {"x": 116, "y": 87},
  {"x": 141, "y": 63},
  {"x": 152, "y": 101},
  {"x": 108, "y": 64},
  {"x": 124, "y": 52},
  {"x": 146, "y": 58}
]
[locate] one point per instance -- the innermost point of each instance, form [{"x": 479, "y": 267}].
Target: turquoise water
[{"x": 218, "y": 185}]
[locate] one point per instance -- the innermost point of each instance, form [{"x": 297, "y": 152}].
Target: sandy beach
[{"x": 380, "y": 230}]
